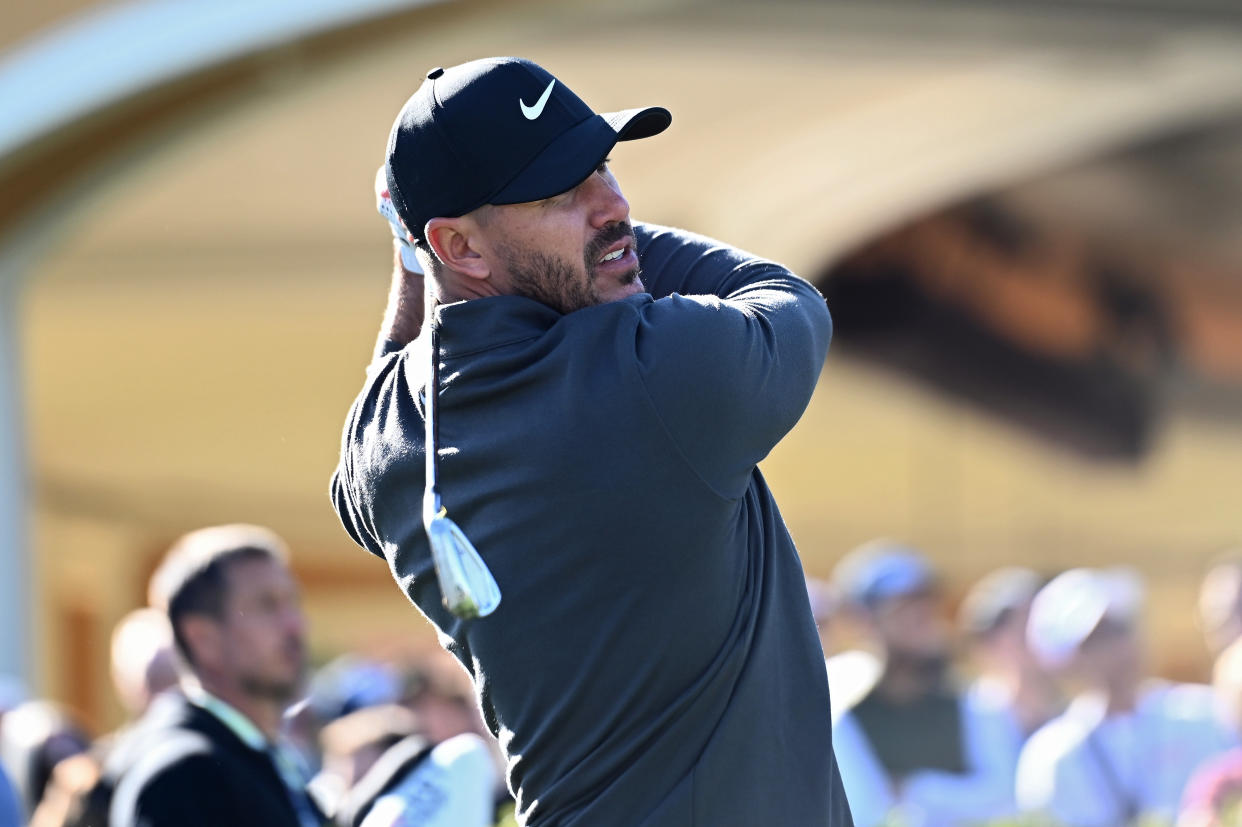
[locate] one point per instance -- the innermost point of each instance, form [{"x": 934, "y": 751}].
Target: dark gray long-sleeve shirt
[{"x": 653, "y": 660}]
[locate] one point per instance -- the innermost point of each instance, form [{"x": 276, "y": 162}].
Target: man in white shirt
[
  {"x": 454, "y": 786},
  {"x": 1220, "y": 602},
  {"x": 382, "y": 769},
  {"x": 1125, "y": 748}
]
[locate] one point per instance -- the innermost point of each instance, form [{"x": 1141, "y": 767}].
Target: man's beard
[
  {"x": 929, "y": 667},
  {"x": 280, "y": 691},
  {"x": 551, "y": 281}
]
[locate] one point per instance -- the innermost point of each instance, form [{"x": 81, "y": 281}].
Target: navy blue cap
[
  {"x": 499, "y": 130},
  {"x": 996, "y": 597},
  {"x": 882, "y": 569}
]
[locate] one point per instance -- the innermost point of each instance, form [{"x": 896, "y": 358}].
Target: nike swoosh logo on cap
[{"x": 533, "y": 112}]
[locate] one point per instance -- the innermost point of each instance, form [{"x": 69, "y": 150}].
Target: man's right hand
[
  {"x": 383, "y": 204},
  {"x": 403, "y": 316}
]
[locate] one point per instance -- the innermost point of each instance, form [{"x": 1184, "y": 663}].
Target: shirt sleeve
[
  {"x": 867, "y": 787},
  {"x": 1054, "y": 779},
  {"x": 10, "y": 812},
  {"x": 187, "y": 794},
  {"x": 343, "y": 486},
  {"x": 1212, "y": 788},
  {"x": 342, "y": 499},
  {"x": 986, "y": 792},
  {"x": 729, "y": 352}
]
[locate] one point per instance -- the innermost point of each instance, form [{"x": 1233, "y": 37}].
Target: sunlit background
[{"x": 1024, "y": 215}]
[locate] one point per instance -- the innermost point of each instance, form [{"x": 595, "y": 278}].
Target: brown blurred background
[{"x": 1025, "y": 218}]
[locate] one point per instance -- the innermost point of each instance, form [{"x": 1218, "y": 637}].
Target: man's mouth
[{"x": 613, "y": 255}]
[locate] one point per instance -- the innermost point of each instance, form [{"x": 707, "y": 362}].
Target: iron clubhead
[{"x": 467, "y": 585}]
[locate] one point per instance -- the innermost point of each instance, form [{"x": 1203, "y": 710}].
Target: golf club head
[{"x": 467, "y": 585}]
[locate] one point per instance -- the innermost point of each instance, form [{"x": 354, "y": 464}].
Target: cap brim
[
  {"x": 632, "y": 124},
  {"x": 567, "y": 161},
  {"x": 1066, "y": 612}
]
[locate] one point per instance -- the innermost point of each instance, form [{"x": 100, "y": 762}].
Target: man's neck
[
  {"x": 1116, "y": 700},
  {"x": 1122, "y": 700},
  {"x": 1033, "y": 698},
  {"x": 903, "y": 686},
  {"x": 264, "y": 713}
]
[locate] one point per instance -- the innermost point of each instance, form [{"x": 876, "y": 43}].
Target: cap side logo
[{"x": 533, "y": 112}]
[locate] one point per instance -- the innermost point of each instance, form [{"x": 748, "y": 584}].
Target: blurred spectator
[
  {"x": 65, "y": 797},
  {"x": 34, "y": 738},
  {"x": 350, "y": 683},
  {"x": 392, "y": 776},
  {"x": 12, "y": 693},
  {"x": 1011, "y": 682},
  {"x": 910, "y": 749},
  {"x": 851, "y": 672},
  {"x": 352, "y": 743},
  {"x": 144, "y": 663},
  {"x": 1220, "y": 602},
  {"x": 439, "y": 692},
  {"x": 300, "y": 733},
  {"x": 345, "y": 685},
  {"x": 10, "y": 808},
  {"x": 1123, "y": 750},
  {"x": 1214, "y": 795},
  {"x": 214, "y": 754}
]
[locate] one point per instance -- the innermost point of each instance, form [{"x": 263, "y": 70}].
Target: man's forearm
[
  {"x": 403, "y": 317},
  {"x": 678, "y": 261}
]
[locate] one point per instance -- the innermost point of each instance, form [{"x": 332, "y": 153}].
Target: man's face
[
  {"x": 263, "y": 630},
  {"x": 570, "y": 251},
  {"x": 913, "y": 626},
  {"x": 1006, "y": 644},
  {"x": 1111, "y": 655},
  {"x": 1220, "y": 605}
]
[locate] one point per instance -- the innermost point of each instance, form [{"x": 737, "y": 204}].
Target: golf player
[{"x": 605, "y": 390}]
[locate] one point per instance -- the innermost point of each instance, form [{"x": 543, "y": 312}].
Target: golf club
[{"x": 467, "y": 586}]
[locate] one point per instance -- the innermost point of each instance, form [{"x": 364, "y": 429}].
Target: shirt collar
[
  {"x": 237, "y": 723},
  {"x": 479, "y": 324}
]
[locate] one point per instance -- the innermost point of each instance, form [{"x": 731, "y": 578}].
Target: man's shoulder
[
  {"x": 175, "y": 751},
  {"x": 182, "y": 756},
  {"x": 1215, "y": 782},
  {"x": 192, "y": 767},
  {"x": 180, "y": 764},
  {"x": 663, "y": 239},
  {"x": 1187, "y": 702},
  {"x": 128, "y": 745},
  {"x": 873, "y": 704},
  {"x": 179, "y": 739},
  {"x": 1060, "y": 739}
]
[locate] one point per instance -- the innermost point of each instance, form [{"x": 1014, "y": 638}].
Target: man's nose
[
  {"x": 295, "y": 620},
  {"x": 608, "y": 205}
]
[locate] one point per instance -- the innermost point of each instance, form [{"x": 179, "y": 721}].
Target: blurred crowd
[
  {"x": 1032, "y": 706},
  {"x": 228, "y": 725}
]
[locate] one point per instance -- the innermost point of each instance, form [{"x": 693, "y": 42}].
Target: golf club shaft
[{"x": 431, "y": 495}]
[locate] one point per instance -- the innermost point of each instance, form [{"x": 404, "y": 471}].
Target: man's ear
[
  {"x": 453, "y": 240},
  {"x": 205, "y": 638}
]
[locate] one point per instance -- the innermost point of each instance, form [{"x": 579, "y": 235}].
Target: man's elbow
[
  {"x": 814, "y": 309},
  {"x": 819, "y": 324},
  {"x": 825, "y": 325}
]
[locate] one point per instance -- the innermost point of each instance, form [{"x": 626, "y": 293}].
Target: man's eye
[{"x": 603, "y": 166}]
